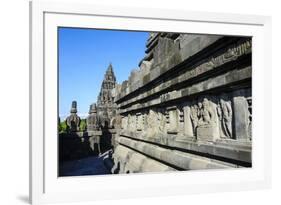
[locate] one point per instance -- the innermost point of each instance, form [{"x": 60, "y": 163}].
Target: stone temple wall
[{"x": 187, "y": 107}]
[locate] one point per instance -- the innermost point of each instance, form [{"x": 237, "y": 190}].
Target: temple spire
[
  {"x": 110, "y": 68},
  {"x": 106, "y": 108},
  {"x": 108, "y": 84}
]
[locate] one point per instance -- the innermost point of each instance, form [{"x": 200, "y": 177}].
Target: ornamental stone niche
[
  {"x": 73, "y": 121},
  {"x": 188, "y": 105}
]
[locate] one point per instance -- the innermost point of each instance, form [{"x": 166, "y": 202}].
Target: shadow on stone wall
[{"x": 73, "y": 146}]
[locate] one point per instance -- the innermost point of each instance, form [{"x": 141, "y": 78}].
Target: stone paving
[{"x": 87, "y": 166}]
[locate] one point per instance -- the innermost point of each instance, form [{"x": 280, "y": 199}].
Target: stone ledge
[
  {"x": 225, "y": 79},
  {"x": 187, "y": 75},
  {"x": 175, "y": 158},
  {"x": 94, "y": 133},
  {"x": 204, "y": 43},
  {"x": 231, "y": 151},
  {"x": 129, "y": 161}
]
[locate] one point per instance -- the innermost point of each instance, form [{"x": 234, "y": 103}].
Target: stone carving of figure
[
  {"x": 207, "y": 128},
  {"x": 225, "y": 115},
  {"x": 194, "y": 113},
  {"x": 124, "y": 122},
  {"x": 161, "y": 122},
  {"x": 206, "y": 115},
  {"x": 152, "y": 123},
  {"x": 131, "y": 122},
  {"x": 152, "y": 119}
]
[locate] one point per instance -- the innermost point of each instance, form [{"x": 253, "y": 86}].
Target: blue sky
[{"x": 84, "y": 55}]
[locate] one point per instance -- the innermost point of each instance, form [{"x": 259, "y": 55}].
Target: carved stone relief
[
  {"x": 194, "y": 116},
  {"x": 249, "y": 100},
  {"x": 124, "y": 123},
  {"x": 132, "y": 122},
  {"x": 207, "y": 128},
  {"x": 224, "y": 111},
  {"x": 152, "y": 123},
  {"x": 161, "y": 121},
  {"x": 208, "y": 118}
]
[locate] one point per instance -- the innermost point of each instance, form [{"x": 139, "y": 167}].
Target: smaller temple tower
[
  {"x": 105, "y": 98},
  {"x": 73, "y": 121},
  {"x": 106, "y": 107},
  {"x": 93, "y": 122}
]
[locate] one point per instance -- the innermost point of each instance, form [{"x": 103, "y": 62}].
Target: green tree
[
  {"x": 59, "y": 127},
  {"x": 83, "y": 125},
  {"x": 63, "y": 127}
]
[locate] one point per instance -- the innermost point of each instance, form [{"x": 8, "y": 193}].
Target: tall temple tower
[{"x": 105, "y": 104}]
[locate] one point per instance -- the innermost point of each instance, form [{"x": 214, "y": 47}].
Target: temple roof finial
[
  {"x": 73, "y": 107},
  {"x": 110, "y": 68}
]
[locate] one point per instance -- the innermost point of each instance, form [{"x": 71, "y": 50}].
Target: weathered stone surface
[
  {"x": 129, "y": 161},
  {"x": 209, "y": 64},
  {"x": 241, "y": 117},
  {"x": 178, "y": 159},
  {"x": 222, "y": 148},
  {"x": 191, "y": 44},
  {"x": 189, "y": 104},
  {"x": 195, "y": 89}
]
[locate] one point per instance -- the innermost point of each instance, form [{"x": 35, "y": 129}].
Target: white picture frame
[{"x": 45, "y": 186}]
